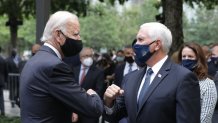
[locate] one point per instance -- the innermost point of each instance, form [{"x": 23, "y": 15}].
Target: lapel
[
  {"x": 138, "y": 78},
  {"x": 163, "y": 72},
  {"x": 88, "y": 75}
]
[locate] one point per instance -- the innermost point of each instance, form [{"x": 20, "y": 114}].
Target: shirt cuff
[{"x": 108, "y": 110}]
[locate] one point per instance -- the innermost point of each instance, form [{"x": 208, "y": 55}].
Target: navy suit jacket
[
  {"x": 49, "y": 93},
  {"x": 172, "y": 97}
]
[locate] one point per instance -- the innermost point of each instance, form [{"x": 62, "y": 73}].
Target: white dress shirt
[
  {"x": 55, "y": 50},
  {"x": 126, "y": 68},
  {"x": 155, "y": 70}
]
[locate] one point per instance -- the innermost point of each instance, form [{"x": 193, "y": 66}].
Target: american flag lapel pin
[{"x": 159, "y": 75}]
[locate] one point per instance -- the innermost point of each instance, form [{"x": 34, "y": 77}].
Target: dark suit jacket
[
  {"x": 94, "y": 79},
  {"x": 173, "y": 97},
  {"x": 119, "y": 74},
  {"x": 3, "y": 72},
  {"x": 49, "y": 93},
  {"x": 11, "y": 66}
]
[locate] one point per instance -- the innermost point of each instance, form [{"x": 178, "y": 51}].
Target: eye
[
  {"x": 183, "y": 56},
  {"x": 76, "y": 34}
]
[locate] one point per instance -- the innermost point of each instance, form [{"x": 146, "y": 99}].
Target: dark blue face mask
[
  {"x": 189, "y": 64},
  {"x": 142, "y": 52},
  {"x": 140, "y": 64},
  {"x": 214, "y": 60}
]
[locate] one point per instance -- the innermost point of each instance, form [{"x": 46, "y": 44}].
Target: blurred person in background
[
  {"x": 128, "y": 66},
  {"x": 213, "y": 63},
  {"x": 3, "y": 79},
  {"x": 119, "y": 59},
  {"x": 89, "y": 77},
  {"x": 191, "y": 56},
  {"x": 207, "y": 51},
  {"x": 106, "y": 63}
]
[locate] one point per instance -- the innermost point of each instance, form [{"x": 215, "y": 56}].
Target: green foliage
[
  {"x": 4, "y": 34},
  {"x": 203, "y": 30},
  {"x": 209, "y": 4},
  {"x": 105, "y": 27},
  {"x": 4, "y": 119},
  {"x": 76, "y": 6},
  {"x": 26, "y": 34}
]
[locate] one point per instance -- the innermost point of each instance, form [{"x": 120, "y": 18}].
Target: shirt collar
[
  {"x": 158, "y": 65},
  {"x": 54, "y": 49}
]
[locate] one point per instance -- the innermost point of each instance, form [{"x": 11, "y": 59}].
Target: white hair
[
  {"x": 157, "y": 31},
  {"x": 57, "y": 20}
]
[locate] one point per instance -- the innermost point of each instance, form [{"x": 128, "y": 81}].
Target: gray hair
[
  {"x": 57, "y": 20},
  {"x": 159, "y": 31}
]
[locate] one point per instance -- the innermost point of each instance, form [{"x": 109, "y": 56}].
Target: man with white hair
[
  {"x": 162, "y": 92},
  {"x": 48, "y": 90}
]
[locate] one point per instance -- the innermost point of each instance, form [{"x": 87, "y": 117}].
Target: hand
[
  {"x": 111, "y": 93},
  {"x": 74, "y": 117},
  {"x": 90, "y": 92}
]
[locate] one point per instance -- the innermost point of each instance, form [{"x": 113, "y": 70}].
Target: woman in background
[{"x": 192, "y": 57}]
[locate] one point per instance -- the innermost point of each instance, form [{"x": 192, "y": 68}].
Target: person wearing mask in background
[
  {"x": 213, "y": 63},
  {"x": 191, "y": 56},
  {"x": 215, "y": 114},
  {"x": 48, "y": 91},
  {"x": 3, "y": 78},
  {"x": 119, "y": 59},
  {"x": 89, "y": 77},
  {"x": 153, "y": 94},
  {"x": 128, "y": 66},
  {"x": 34, "y": 49}
]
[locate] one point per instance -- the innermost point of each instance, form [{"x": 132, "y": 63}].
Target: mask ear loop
[{"x": 59, "y": 34}]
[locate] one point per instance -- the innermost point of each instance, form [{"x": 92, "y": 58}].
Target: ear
[
  {"x": 158, "y": 45},
  {"x": 58, "y": 37}
]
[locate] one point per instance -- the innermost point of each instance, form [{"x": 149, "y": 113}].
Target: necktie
[
  {"x": 130, "y": 68},
  {"x": 83, "y": 75},
  {"x": 144, "y": 87}
]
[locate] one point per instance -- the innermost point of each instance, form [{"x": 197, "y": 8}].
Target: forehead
[
  {"x": 128, "y": 49},
  {"x": 187, "y": 51},
  {"x": 215, "y": 49},
  {"x": 86, "y": 51},
  {"x": 73, "y": 25},
  {"x": 142, "y": 33}
]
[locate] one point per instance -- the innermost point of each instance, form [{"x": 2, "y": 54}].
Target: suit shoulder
[{"x": 179, "y": 69}]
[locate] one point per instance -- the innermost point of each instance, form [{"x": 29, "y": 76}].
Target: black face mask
[
  {"x": 129, "y": 59},
  {"x": 71, "y": 47}
]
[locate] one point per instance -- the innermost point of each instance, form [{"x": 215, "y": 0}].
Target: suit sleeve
[
  {"x": 188, "y": 100},
  {"x": 119, "y": 107},
  {"x": 100, "y": 84},
  {"x": 63, "y": 87}
]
